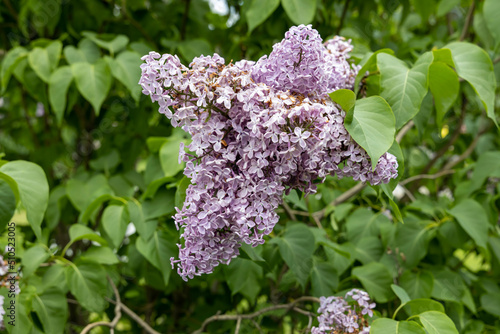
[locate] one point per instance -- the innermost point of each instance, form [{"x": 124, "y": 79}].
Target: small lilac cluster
[
  {"x": 259, "y": 129},
  {"x": 338, "y": 316}
]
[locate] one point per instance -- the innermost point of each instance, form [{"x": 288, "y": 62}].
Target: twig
[
  {"x": 404, "y": 130},
  {"x": 135, "y": 317},
  {"x": 445, "y": 171},
  {"x": 118, "y": 313},
  {"x": 136, "y": 24},
  {"x": 342, "y": 18},
  {"x": 497, "y": 60},
  {"x": 238, "y": 324},
  {"x": 256, "y": 324},
  {"x": 239, "y": 317},
  {"x": 468, "y": 21},
  {"x": 309, "y": 315},
  {"x": 288, "y": 211},
  {"x": 185, "y": 19}
]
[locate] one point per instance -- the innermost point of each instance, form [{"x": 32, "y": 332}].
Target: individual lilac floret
[
  {"x": 302, "y": 64},
  {"x": 338, "y": 316},
  {"x": 255, "y": 136}
]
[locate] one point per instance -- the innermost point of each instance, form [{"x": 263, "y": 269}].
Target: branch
[
  {"x": 445, "y": 171},
  {"x": 342, "y": 18},
  {"x": 468, "y": 21},
  {"x": 185, "y": 19},
  {"x": 118, "y": 313},
  {"x": 135, "y": 317},
  {"x": 239, "y": 317}
]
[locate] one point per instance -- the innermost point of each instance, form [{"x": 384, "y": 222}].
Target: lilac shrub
[
  {"x": 337, "y": 315},
  {"x": 259, "y": 129}
]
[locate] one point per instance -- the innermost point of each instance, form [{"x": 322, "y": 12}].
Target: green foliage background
[{"x": 89, "y": 170}]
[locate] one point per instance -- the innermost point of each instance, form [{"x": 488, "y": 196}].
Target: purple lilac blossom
[
  {"x": 338, "y": 316},
  {"x": 258, "y": 130}
]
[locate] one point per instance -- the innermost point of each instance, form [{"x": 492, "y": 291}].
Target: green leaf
[
  {"x": 259, "y": 11},
  {"x": 472, "y": 217},
  {"x": 445, "y": 6},
  {"x": 418, "y": 306},
  {"x": 110, "y": 42},
  {"x": 324, "y": 279},
  {"x": 372, "y": 126},
  {"x": 491, "y": 13},
  {"x": 448, "y": 286},
  {"x": 413, "y": 239},
  {"x": 102, "y": 255},
  {"x": 403, "y": 88},
  {"x": 169, "y": 156},
  {"x": 115, "y": 219},
  {"x": 297, "y": 247},
  {"x": 389, "y": 326},
  {"x": 444, "y": 85},
  {"x": 106, "y": 162},
  {"x": 7, "y": 204},
  {"x": 33, "y": 190},
  {"x": 194, "y": 47},
  {"x": 368, "y": 249},
  {"x": 87, "y": 282},
  {"x": 300, "y": 11},
  {"x": 488, "y": 165},
  {"x": 250, "y": 253},
  {"x": 368, "y": 64},
  {"x": 10, "y": 61},
  {"x": 87, "y": 52},
  {"x": 158, "y": 252},
  {"x": 401, "y": 293},
  {"x": 94, "y": 205},
  {"x": 81, "y": 193},
  {"x": 52, "y": 310},
  {"x": 93, "y": 81},
  {"x": 59, "y": 83},
  {"x": 489, "y": 303},
  {"x": 345, "y": 98},
  {"x": 126, "y": 68},
  {"x": 180, "y": 194},
  {"x": 44, "y": 60},
  {"x": 80, "y": 232},
  {"x": 474, "y": 65},
  {"x": 243, "y": 276},
  {"x": 144, "y": 228},
  {"x": 376, "y": 279},
  {"x": 32, "y": 258},
  {"x": 437, "y": 323},
  {"x": 418, "y": 284}
]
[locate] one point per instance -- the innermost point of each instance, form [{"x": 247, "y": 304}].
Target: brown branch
[
  {"x": 288, "y": 211},
  {"x": 239, "y": 317},
  {"x": 426, "y": 176},
  {"x": 135, "y": 317},
  {"x": 497, "y": 60},
  {"x": 468, "y": 21},
  {"x": 137, "y": 25},
  {"x": 185, "y": 19},
  {"x": 342, "y": 18},
  {"x": 118, "y": 313}
]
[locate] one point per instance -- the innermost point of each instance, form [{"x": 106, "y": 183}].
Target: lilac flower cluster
[
  {"x": 338, "y": 316},
  {"x": 259, "y": 129}
]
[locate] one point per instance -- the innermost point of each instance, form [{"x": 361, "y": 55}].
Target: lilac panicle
[
  {"x": 259, "y": 129},
  {"x": 336, "y": 315}
]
